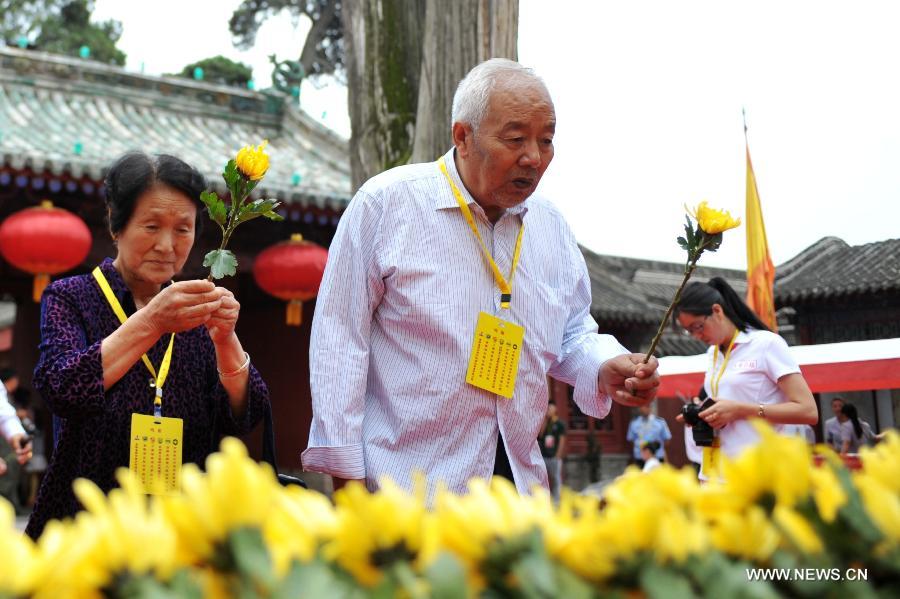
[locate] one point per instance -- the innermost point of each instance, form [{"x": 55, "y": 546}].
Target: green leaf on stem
[
  {"x": 711, "y": 242},
  {"x": 222, "y": 263},
  {"x": 215, "y": 206},
  {"x": 260, "y": 208},
  {"x": 446, "y": 578},
  {"x": 231, "y": 174},
  {"x": 689, "y": 233},
  {"x": 660, "y": 583},
  {"x": 683, "y": 243},
  {"x": 251, "y": 558}
]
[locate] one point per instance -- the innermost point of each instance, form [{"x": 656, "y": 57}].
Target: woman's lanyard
[
  {"x": 715, "y": 379},
  {"x": 158, "y": 380},
  {"x": 504, "y": 284}
]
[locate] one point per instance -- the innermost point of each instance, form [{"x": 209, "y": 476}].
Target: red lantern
[
  {"x": 44, "y": 241},
  {"x": 291, "y": 270}
]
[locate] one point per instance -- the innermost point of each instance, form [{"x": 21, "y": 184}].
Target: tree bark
[
  {"x": 404, "y": 61},
  {"x": 451, "y": 47},
  {"x": 382, "y": 41}
]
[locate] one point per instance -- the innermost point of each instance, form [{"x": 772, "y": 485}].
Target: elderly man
[{"x": 451, "y": 292}]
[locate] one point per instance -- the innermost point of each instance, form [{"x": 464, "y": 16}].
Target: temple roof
[
  {"x": 66, "y": 117},
  {"x": 637, "y": 290},
  {"x": 830, "y": 268}
]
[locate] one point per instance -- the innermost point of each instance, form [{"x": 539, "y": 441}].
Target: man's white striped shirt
[{"x": 394, "y": 325}]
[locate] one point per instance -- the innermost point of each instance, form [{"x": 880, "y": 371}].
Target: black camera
[{"x": 702, "y": 431}]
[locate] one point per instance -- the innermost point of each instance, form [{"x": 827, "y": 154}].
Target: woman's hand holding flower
[
  {"x": 183, "y": 306},
  {"x": 222, "y": 322}
]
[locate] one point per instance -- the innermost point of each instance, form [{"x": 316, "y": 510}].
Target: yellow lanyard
[
  {"x": 714, "y": 380},
  {"x": 504, "y": 285},
  {"x": 167, "y": 358}
]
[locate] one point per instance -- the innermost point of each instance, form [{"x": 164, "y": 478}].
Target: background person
[
  {"x": 751, "y": 375},
  {"x": 833, "y": 437},
  {"x": 552, "y": 441},
  {"x": 854, "y": 432},
  {"x": 648, "y": 456},
  {"x": 90, "y": 371},
  {"x": 15, "y": 445},
  {"x": 10, "y": 427},
  {"x": 422, "y": 254},
  {"x": 647, "y": 427}
]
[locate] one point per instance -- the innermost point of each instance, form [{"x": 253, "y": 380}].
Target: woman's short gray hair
[{"x": 470, "y": 102}]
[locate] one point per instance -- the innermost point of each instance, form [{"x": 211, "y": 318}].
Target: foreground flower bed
[{"x": 234, "y": 532}]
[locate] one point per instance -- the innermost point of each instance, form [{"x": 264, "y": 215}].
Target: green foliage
[
  {"x": 24, "y": 17},
  {"x": 182, "y": 585},
  {"x": 219, "y": 69},
  {"x": 216, "y": 207},
  {"x": 70, "y": 29},
  {"x": 221, "y": 262},
  {"x": 323, "y": 50}
]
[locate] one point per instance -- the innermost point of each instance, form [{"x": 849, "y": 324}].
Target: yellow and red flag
[{"x": 760, "y": 269}]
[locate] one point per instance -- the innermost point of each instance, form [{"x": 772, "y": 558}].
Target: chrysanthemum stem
[{"x": 688, "y": 271}]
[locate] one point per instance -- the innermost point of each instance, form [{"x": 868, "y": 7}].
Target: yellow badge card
[
  {"x": 494, "y": 362},
  {"x": 711, "y": 460},
  {"x": 156, "y": 452}
]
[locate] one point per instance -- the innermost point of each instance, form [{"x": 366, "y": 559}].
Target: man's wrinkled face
[{"x": 512, "y": 146}]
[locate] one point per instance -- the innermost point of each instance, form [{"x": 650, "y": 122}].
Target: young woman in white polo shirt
[{"x": 751, "y": 374}]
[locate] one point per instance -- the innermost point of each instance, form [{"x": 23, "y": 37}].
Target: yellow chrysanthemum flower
[
  {"x": 882, "y": 505},
  {"x": 298, "y": 526},
  {"x": 798, "y": 530},
  {"x": 711, "y": 220},
  {"x": 578, "y": 536},
  {"x": 883, "y": 461},
  {"x": 656, "y": 512},
  {"x": 827, "y": 492},
  {"x": 234, "y": 492},
  {"x": 117, "y": 534},
  {"x": 469, "y": 525},
  {"x": 748, "y": 535},
  {"x": 779, "y": 465},
  {"x": 375, "y": 530},
  {"x": 18, "y": 556},
  {"x": 253, "y": 162}
]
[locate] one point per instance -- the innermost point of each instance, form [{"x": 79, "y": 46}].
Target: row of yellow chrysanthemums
[{"x": 665, "y": 514}]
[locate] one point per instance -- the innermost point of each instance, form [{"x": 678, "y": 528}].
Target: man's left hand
[{"x": 628, "y": 380}]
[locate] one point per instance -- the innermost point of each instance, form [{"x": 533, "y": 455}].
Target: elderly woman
[{"x": 91, "y": 372}]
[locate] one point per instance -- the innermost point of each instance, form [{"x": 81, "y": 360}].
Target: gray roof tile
[
  {"x": 637, "y": 290},
  {"x": 48, "y": 104},
  {"x": 830, "y": 267}
]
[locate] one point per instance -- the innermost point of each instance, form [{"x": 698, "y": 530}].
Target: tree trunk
[
  {"x": 451, "y": 47},
  {"x": 404, "y": 60},
  {"x": 382, "y": 41}
]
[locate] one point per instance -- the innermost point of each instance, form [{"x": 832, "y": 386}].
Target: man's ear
[{"x": 462, "y": 138}]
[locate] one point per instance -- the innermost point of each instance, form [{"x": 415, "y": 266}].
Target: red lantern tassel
[
  {"x": 40, "y": 283},
  {"x": 294, "y": 313}
]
